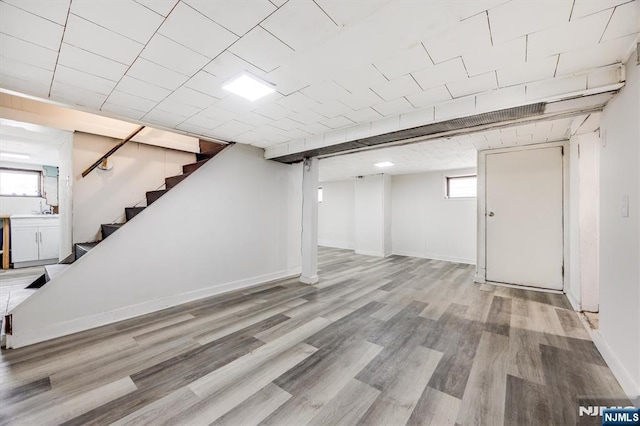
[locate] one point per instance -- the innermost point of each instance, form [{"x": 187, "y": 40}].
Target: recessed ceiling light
[
  {"x": 248, "y": 87},
  {"x": 384, "y": 164},
  {"x": 12, "y": 155}
]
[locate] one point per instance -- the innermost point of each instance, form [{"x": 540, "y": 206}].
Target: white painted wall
[
  {"x": 102, "y": 196},
  {"x": 620, "y": 236},
  {"x": 573, "y": 289},
  {"x": 336, "y": 226},
  {"x": 234, "y": 223},
  {"x": 65, "y": 196},
  {"x": 424, "y": 224},
  {"x": 370, "y": 214}
]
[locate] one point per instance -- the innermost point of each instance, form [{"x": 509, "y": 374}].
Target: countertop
[{"x": 34, "y": 216}]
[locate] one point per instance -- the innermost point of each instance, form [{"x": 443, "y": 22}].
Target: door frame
[{"x": 481, "y": 263}]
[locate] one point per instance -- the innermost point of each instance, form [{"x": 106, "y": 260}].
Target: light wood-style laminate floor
[{"x": 389, "y": 341}]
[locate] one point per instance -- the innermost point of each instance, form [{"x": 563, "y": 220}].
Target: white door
[
  {"x": 24, "y": 244},
  {"x": 49, "y": 242},
  {"x": 524, "y": 212}
]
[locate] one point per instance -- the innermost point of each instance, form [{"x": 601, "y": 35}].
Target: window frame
[
  {"x": 25, "y": 171},
  {"x": 446, "y": 186}
]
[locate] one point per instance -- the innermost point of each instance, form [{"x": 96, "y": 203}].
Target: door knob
[{"x": 491, "y": 214}]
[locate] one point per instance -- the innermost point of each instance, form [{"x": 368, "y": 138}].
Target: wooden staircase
[{"x": 208, "y": 150}]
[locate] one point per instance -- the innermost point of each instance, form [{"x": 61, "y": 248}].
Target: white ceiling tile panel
[
  {"x": 192, "y": 128},
  {"x": 470, "y": 35},
  {"x": 218, "y": 114},
  {"x": 396, "y": 88},
  {"x": 455, "y": 108},
  {"x": 500, "y": 98},
  {"x": 178, "y": 108},
  {"x": 163, "y": 7},
  {"x": 301, "y": 24},
  {"x": 22, "y": 51},
  {"x": 234, "y": 127},
  {"x": 332, "y": 109},
  {"x": 417, "y": 118},
  {"x": 568, "y": 36},
  {"x": 297, "y": 134},
  {"x": 337, "y": 122},
  {"x": 604, "y": 53},
  {"x": 52, "y": 10},
  {"x": 75, "y": 78},
  {"x": 361, "y": 78},
  {"x": 361, "y": 99},
  {"x": 307, "y": 117},
  {"x": 150, "y": 72},
  {"x": 89, "y": 36},
  {"x": 363, "y": 115},
  {"x": 467, "y": 9},
  {"x": 297, "y": 102},
  {"x": 345, "y": 13},
  {"x": 207, "y": 84},
  {"x": 78, "y": 96},
  {"x": 429, "y": 97},
  {"x": 25, "y": 71},
  {"x": 192, "y": 97},
  {"x": 262, "y": 49},
  {"x": 315, "y": 128},
  {"x": 273, "y": 111},
  {"x": 130, "y": 101},
  {"x": 227, "y": 65},
  {"x": 412, "y": 59},
  {"x": 172, "y": 55},
  {"x": 285, "y": 81},
  {"x": 583, "y": 8},
  {"x": 24, "y": 86},
  {"x": 163, "y": 118},
  {"x": 397, "y": 106},
  {"x": 254, "y": 119},
  {"x": 543, "y": 89},
  {"x": 625, "y": 21},
  {"x": 122, "y": 111},
  {"x": 285, "y": 124},
  {"x": 470, "y": 86},
  {"x": 190, "y": 28},
  {"x": 26, "y": 26},
  {"x": 437, "y": 75},
  {"x": 199, "y": 121},
  {"x": 124, "y": 17},
  {"x": 519, "y": 17},
  {"x": 278, "y": 3},
  {"x": 509, "y": 54},
  {"x": 238, "y": 16},
  {"x": 90, "y": 63},
  {"x": 325, "y": 91},
  {"x": 236, "y": 104},
  {"x": 532, "y": 70},
  {"x": 143, "y": 89}
]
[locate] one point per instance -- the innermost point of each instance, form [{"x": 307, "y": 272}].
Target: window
[
  {"x": 319, "y": 194},
  {"x": 461, "y": 186},
  {"x": 21, "y": 183}
]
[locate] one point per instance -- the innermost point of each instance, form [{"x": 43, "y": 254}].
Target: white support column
[{"x": 310, "y": 222}]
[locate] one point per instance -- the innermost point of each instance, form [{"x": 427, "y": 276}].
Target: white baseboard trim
[
  {"x": 29, "y": 337},
  {"x": 629, "y": 385},
  {"x": 336, "y": 244},
  {"x": 435, "y": 257},
  {"x": 370, "y": 253},
  {"x": 574, "y": 303}
]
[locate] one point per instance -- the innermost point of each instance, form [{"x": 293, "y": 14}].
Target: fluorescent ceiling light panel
[
  {"x": 248, "y": 87},
  {"x": 12, "y": 155},
  {"x": 384, "y": 164}
]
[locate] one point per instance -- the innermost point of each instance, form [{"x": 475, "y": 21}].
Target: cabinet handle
[
  {"x": 36, "y": 238},
  {"x": 40, "y": 236}
]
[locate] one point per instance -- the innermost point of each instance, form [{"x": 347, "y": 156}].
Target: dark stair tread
[
  {"x": 208, "y": 145},
  {"x": 172, "y": 181},
  {"x": 154, "y": 195},
  {"x": 190, "y": 168},
  {"x": 205, "y": 155},
  {"x": 80, "y": 249},
  {"x": 109, "y": 228},
  {"x": 131, "y": 212}
]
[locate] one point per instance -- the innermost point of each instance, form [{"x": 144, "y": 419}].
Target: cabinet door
[
  {"x": 49, "y": 242},
  {"x": 24, "y": 244}
]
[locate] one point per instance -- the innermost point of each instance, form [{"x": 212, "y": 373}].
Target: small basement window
[
  {"x": 320, "y": 189},
  {"x": 20, "y": 183},
  {"x": 461, "y": 186}
]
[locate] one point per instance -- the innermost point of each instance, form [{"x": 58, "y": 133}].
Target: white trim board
[
  {"x": 435, "y": 257},
  {"x": 629, "y": 385}
]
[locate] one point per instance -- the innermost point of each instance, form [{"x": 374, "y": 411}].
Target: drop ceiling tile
[
  {"x": 301, "y": 24},
  {"x": 467, "y": 9},
  {"x": 208, "y": 84},
  {"x": 297, "y": 102},
  {"x": 437, "y": 75},
  {"x": 269, "y": 131},
  {"x": 74, "y": 95},
  {"x": 178, "y": 108},
  {"x": 396, "y": 88},
  {"x": 337, "y": 122},
  {"x": 363, "y": 115},
  {"x": 273, "y": 111},
  {"x": 32, "y": 54},
  {"x": 169, "y": 54},
  {"x": 625, "y": 21},
  {"x": 470, "y": 35},
  {"x": 191, "y": 128},
  {"x": 254, "y": 119},
  {"x": 557, "y": 86},
  {"x": 332, "y": 109},
  {"x": 519, "y": 17},
  {"x": 509, "y": 54},
  {"x": 25, "y": 71},
  {"x": 532, "y": 70},
  {"x": 361, "y": 99},
  {"x": 500, "y": 98},
  {"x": 456, "y": 108},
  {"x": 397, "y": 106},
  {"x": 90, "y": 63},
  {"x": 346, "y": 13},
  {"x": 218, "y": 114},
  {"x": 583, "y": 8},
  {"x": 198, "y": 122},
  {"x": 130, "y": 101},
  {"x": 155, "y": 74},
  {"x": 262, "y": 49},
  {"x": 122, "y": 111},
  {"x": 93, "y": 38},
  {"x": 124, "y": 17},
  {"x": 236, "y": 104},
  {"x": 361, "y": 78},
  {"x": 412, "y": 59},
  {"x": 429, "y": 97},
  {"x": 233, "y": 127},
  {"x": 236, "y": 16},
  {"x": 417, "y": 118},
  {"x": 190, "y": 28},
  {"x": 163, "y": 118},
  {"x": 227, "y": 65},
  {"x": 473, "y": 85},
  {"x": 315, "y": 128},
  {"x": 143, "y": 89},
  {"x": 297, "y": 134},
  {"x": 192, "y": 97},
  {"x": 286, "y": 81},
  {"x": 278, "y": 3},
  {"x": 325, "y": 91},
  {"x": 307, "y": 117},
  {"x": 52, "y": 10},
  {"x": 285, "y": 124},
  {"x": 28, "y": 27},
  {"x": 568, "y": 36},
  {"x": 71, "y": 77},
  {"x": 604, "y": 53}
]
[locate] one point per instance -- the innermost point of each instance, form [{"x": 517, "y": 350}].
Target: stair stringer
[{"x": 233, "y": 224}]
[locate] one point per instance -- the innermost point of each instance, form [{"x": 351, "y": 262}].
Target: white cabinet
[{"x": 35, "y": 240}]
